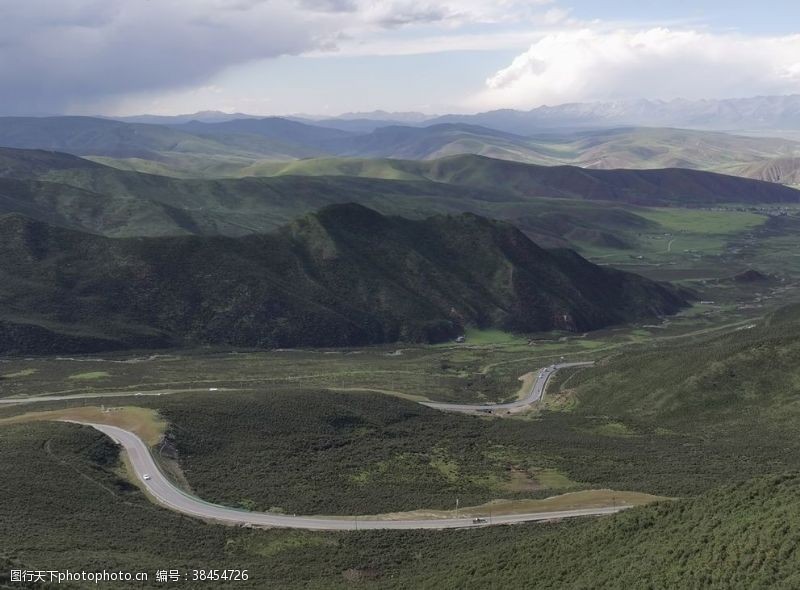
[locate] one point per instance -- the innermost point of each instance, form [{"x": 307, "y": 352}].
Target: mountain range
[
  {"x": 345, "y": 276},
  {"x": 776, "y": 113},
  {"x": 245, "y": 146}
]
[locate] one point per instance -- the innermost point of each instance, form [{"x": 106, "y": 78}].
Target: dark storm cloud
[
  {"x": 61, "y": 54},
  {"x": 330, "y": 5}
]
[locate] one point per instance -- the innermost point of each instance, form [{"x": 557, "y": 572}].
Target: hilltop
[{"x": 344, "y": 276}]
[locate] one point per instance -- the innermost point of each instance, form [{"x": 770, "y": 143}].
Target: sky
[{"x": 327, "y": 57}]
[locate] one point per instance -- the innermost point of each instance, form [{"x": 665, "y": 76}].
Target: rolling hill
[
  {"x": 252, "y": 146},
  {"x": 436, "y": 141},
  {"x": 274, "y": 128},
  {"x": 546, "y": 203},
  {"x": 151, "y": 147},
  {"x": 649, "y": 147},
  {"x": 345, "y": 276},
  {"x": 643, "y": 187}
]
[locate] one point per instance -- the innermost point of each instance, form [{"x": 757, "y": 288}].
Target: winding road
[
  {"x": 168, "y": 495},
  {"x": 165, "y": 493},
  {"x": 535, "y": 395}
]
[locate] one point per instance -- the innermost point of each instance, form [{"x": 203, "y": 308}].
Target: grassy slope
[{"x": 752, "y": 371}]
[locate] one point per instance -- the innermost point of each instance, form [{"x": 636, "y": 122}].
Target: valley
[
  {"x": 412, "y": 294},
  {"x": 363, "y": 343}
]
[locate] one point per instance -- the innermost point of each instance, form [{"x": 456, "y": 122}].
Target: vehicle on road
[
  {"x": 478, "y": 521},
  {"x": 146, "y": 477}
]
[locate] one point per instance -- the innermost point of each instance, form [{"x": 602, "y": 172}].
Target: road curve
[
  {"x": 169, "y": 496},
  {"x": 536, "y": 393}
]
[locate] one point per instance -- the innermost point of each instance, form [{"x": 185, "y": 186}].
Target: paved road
[
  {"x": 536, "y": 393},
  {"x": 166, "y": 494}
]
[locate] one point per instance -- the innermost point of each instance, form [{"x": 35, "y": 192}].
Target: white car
[{"x": 146, "y": 477}]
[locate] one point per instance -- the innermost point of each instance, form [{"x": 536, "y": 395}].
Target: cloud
[
  {"x": 77, "y": 55},
  {"x": 402, "y": 12},
  {"x": 590, "y": 64},
  {"x": 58, "y": 55}
]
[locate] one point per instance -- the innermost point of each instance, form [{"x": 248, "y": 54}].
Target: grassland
[
  {"x": 146, "y": 423},
  {"x": 90, "y": 376},
  {"x": 717, "y": 222},
  {"x": 456, "y": 372}
]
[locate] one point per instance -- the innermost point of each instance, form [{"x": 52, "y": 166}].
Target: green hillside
[
  {"x": 753, "y": 370},
  {"x": 75, "y": 208},
  {"x": 643, "y": 187},
  {"x": 343, "y": 276},
  {"x": 737, "y": 537},
  {"x": 574, "y": 212},
  {"x": 740, "y": 536}
]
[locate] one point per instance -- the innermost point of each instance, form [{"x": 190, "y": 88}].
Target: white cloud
[{"x": 592, "y": 64}]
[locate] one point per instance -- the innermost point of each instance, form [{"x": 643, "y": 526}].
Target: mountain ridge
[{"x": 344, "y": 276}]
